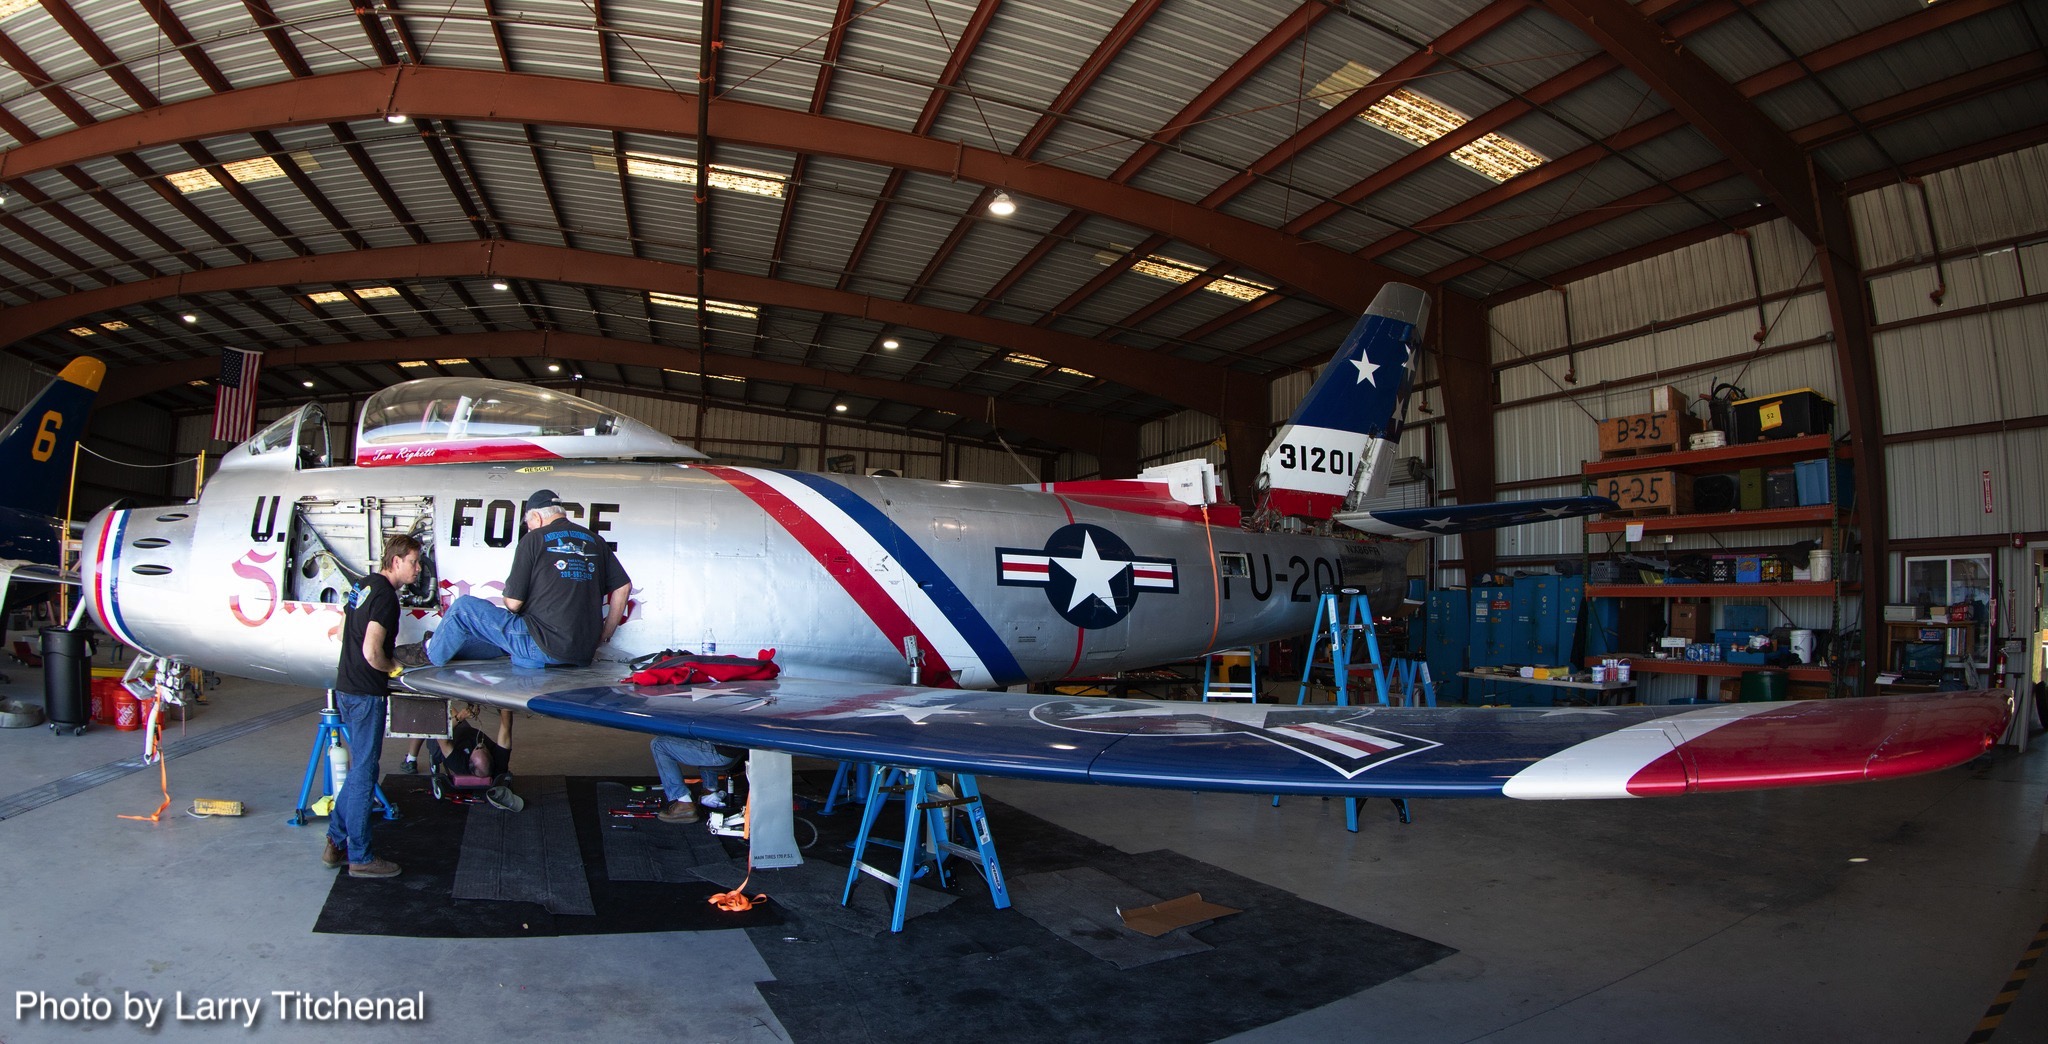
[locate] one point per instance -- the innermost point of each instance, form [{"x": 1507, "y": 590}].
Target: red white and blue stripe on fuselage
[{"x": 848, "y": 536}]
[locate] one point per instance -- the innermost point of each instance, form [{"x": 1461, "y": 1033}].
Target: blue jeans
[
  {"x": 673, "y": 753},
  {"x": 474, "y": 629},
  {"x": 362, "y": 725}
]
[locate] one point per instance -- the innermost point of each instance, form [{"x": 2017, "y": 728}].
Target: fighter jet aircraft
[
  {"x": 890, "y": 603},
  {"x": 35, "y": 463}
]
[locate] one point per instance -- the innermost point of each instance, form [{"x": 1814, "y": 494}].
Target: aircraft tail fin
[
  {"x": 36, "y": 446},
  {"x": 1339, "y": 447}
]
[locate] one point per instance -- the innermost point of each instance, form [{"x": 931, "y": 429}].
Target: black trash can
[{"x": 66, "y": 674}]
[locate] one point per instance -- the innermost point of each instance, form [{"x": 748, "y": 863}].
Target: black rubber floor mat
[
  {"x": 426, "y": 840},
  {"x": 645, "y": 849},
  {"x": 526, "y": 856},
  {"x": 813, "y": 890},
  {"x": 1003, "y": 977},
  {"x": 1083, "y": 905}
]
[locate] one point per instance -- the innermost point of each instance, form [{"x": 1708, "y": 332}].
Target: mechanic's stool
[
  {"x": 331, "y": 734},
  {"x": 925, "y": 807}
]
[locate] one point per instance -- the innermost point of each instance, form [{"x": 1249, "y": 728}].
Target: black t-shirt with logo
[
  {"x": 371, "y": 600},
  {"x": 562, "y": 573}
]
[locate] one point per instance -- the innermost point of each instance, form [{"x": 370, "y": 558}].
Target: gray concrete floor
[{"x": 1728, "y": 918}]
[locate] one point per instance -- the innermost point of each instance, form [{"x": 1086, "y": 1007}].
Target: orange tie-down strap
[
  {"x": 735, "y": 901},
  {"x": 162, "y": 766}
]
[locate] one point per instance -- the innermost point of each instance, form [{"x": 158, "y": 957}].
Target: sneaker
[
  {"x": 502, "y": 797},
  {"x": 331, "y": 856},
  {"x": 412, "y": 655},
  {"x": 412, "y": 766},
  {"x": 677, "y": 812},
  {"x": 374, "y": 868},
  {"x": 712, "y": 801}
]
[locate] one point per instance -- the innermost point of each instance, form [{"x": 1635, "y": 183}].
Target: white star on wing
[
  {"x": 1092, "y": 574},
  {"x": 1555, "y": 512},
  {"x": 1366, "y": 369},
  {"x": 1436, "y": 523},
  {"x": 914, "y": 712}
]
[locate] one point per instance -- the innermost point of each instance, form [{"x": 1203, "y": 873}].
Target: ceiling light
[
  {"x": 308, "y": 384},
  {"x": 891, "y": 343},
  {"x": 839, "y": 407},
  {"x": 397, "y": 117},
  {"x": 189, "y": 317},
  {"x": 1002, "y": 205},
  {"x": 554, "y": 368},
  {"x": 501, "y": 285}
]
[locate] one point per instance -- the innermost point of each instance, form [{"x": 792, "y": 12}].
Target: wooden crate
[
  {"x": 1640, "y": 433},
  {"x": 1648, "y": 492}
]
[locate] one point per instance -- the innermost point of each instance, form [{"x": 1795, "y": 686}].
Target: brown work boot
[
  {"x": 330, "y": 856},
  {"x": 373, "y": 868},
  {"x": 411, "y": 655},
  {"x": 678, "y": 812}
]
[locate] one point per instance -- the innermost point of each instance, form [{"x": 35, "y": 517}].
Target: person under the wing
[{"x": 674, "y": 759}]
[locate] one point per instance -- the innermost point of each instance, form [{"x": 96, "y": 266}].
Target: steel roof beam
[
  {"x": 1210, "y": 389},
  {"x": 1086, "y": 433},
  {"x": 1759, "y": 148},
  {"x": 1335, "y": 277}
]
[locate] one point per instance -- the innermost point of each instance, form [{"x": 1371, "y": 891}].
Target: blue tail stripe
[
  {"x": 932, "y": 579},
  {"x": 1342, "y": 400}
]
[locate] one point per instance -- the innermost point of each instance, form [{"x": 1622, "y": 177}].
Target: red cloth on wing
[{"x": 685, "y": 667}]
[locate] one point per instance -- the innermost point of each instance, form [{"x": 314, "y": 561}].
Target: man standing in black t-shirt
[
  {"x": 362, "y": 681},
  {"x": 564, "y": 597}
]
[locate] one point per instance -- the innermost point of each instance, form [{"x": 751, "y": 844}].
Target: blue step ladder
[
  {"x": 1339, "y": 629},
  {"x": 329, "y": 733},
  {"x": 1410, "y": 673},
  {"x": 1225, "y": 689},
  {"x": 926, "y": 810}
]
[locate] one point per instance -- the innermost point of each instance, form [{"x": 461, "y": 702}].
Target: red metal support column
[
  {"x": 1855, "y": 356},
  {"x": 1466, "y": 380}
]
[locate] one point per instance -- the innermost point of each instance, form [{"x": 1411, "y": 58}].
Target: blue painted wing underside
[{"x": 1356, "y": 752}]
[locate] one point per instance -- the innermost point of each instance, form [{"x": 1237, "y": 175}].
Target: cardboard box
[
  {"x": 1650, "y": 491},
  {"x": 1689, "y": 621},
  {"x": 1660, "y": 432}
]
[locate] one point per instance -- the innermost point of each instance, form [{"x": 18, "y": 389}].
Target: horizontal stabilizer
[{"x": 1466, "y": 518}]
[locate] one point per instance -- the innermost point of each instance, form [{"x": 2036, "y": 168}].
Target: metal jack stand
[{"x": 329, "y": 734}]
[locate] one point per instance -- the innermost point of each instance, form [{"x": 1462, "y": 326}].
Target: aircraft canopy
[{"x": 444, "y": 420}]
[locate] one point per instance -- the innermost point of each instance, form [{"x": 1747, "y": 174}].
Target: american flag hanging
[{"x": 234, "y": 394}]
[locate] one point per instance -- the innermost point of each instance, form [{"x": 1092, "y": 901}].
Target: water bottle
[{"x": 337, "y": 764}]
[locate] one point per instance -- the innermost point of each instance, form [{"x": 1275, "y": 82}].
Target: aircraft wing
[
  {"x": 1374, "y": 751},
  {"x": 1465, "y": 518}
]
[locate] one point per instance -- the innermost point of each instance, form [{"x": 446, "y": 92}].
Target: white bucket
[
  {"x": 1820, "y": 565},
  {"x": 1802, "y": 645}
]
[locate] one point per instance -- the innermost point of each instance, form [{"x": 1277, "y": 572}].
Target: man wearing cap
[{"x": 565, "y": 596}]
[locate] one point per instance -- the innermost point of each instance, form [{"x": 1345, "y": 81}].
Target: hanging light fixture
[
  {"x": 891, "y": 343},
  {"x": 1002, "y": 205}
]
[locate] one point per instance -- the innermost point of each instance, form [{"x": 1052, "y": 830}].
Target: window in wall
[{"x": 1943, "y": 582}]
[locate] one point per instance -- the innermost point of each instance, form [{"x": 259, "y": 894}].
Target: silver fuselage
[{"x": 831, "y": 572}]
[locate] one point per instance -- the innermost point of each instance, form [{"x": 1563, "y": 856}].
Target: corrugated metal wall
[{"x": 1967, "y": 349}]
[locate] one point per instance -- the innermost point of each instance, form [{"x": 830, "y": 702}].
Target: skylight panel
[
  {"x": 684, "y": 172},
  {"x": 716, "y": 307},
  {"x": 1420, "y": 120}
]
